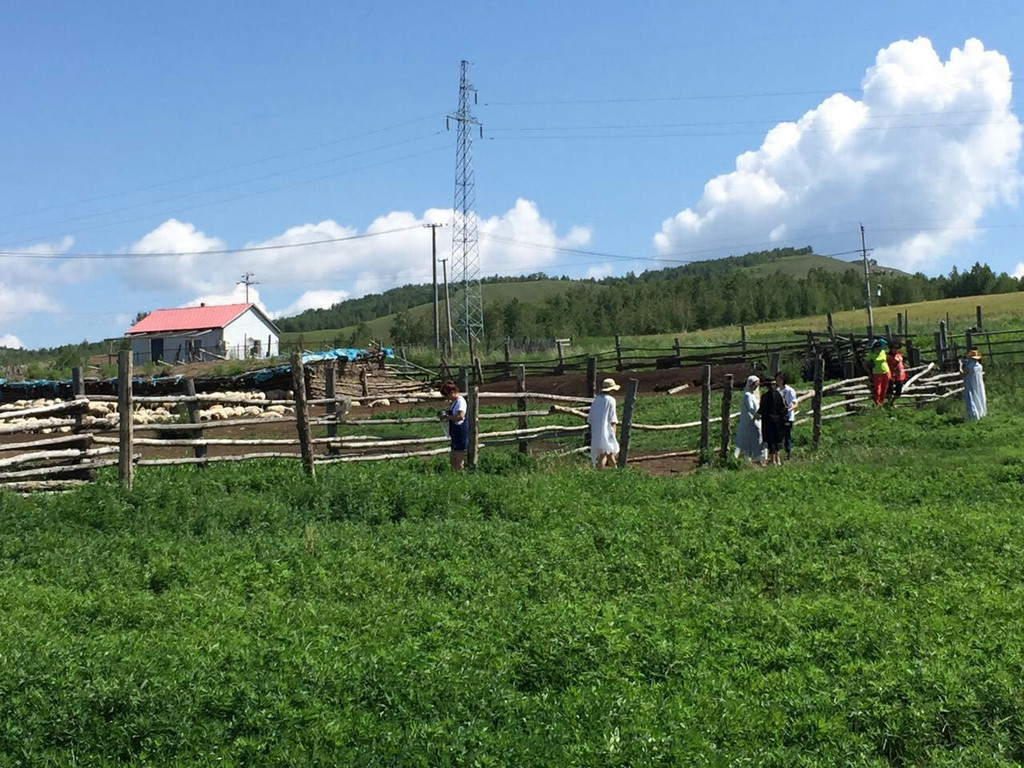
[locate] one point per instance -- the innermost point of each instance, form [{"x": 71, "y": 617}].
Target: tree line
[{"x": 708, "y": 295}]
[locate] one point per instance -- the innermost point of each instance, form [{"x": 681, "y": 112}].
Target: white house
[{"x": 203, "y": 333}]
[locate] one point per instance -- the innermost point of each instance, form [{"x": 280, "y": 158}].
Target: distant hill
[{"x": 756, "y": 287}]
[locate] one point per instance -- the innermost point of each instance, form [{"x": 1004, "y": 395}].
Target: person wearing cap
[
  {"x": 604, "y": 446},
  {"x": 748, "y": 431},
  {"x": 878, "y": 360},
  {"x": 974, "y": 385}
]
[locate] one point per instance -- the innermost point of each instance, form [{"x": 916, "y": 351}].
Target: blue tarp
[{"x": 348, "y": 353}]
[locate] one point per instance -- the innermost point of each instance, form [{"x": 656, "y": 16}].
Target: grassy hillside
[
  {"x": 799, "y": 265},
  {"x": 380, "y": 328},
  {"x": 858, "y": 607}
]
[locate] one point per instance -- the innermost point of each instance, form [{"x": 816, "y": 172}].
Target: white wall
[{"x": 240, "y": 333}]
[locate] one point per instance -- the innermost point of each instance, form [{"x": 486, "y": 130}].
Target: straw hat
[
  {"x": 974, "y": 354},
  {"x": 752, "y": 381},
  {"x": 609, "y": 385}
]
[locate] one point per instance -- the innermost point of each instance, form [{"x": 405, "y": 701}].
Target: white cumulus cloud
[
  {"x": 928, "y": 149},
  {"x": 311, "y": 300},
  {"x": 340, "y": 260},
  {"x": 10, "y": 341}
]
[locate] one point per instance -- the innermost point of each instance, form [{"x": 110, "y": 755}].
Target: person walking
[
  {"x": 748, "y": 431},
  {"x": 897, "y": 371},
  {"x": 454, "y": 417},
  {"x": 772, "y": 410},
  {"x": 878, "y": 362},
  {"x": 789, "y": 398},
  {"x": 974, "y": 385},
  {"x": 604, "y": 446}
]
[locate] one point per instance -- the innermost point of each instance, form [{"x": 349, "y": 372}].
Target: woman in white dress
[
  {"x": 974, "y": 385},
  {"x": 604, "y": 447},
  {"x": 748, "y": 432}
]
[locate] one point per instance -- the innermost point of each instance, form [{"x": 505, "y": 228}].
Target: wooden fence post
[
  {"x": 463, "y": 379},
  {"x": 831, "y": 327},
  {"x": 819, "y": 383},
  {"x": 77, "y": 390},
  {"x": 478, "y": 371},
  {"x": 888, "y": 334},
  {"x": 677, "y": 348},
  {"x": 726, "y": 425},
  {"x": 473, "y": 448},
  {"x": 508, "y": 356},
  {"x": 938, "y": 348},
  {"x": 899, "y": 324},
  {"x": 302, "y": 414},
  {"x": 331, "y": 393},
  {"x": 743, "y": 339},
  {"x": 591, "y": 376},
  {"x": 627, "y": 421},
  {"x": 969, "y": 338},
  {"x": 705, "y": 413},
  {"x": 521, "y": 423},
  {"x": 774, "y": 362},
  {"x": 618, "y": 352},
  {"x": 561, "y": 357},
  {"x": 125, "y": 445},
  {"x": 364, "y": 385},
  {"x": 977, "y": 310},
  {"x": 193, "y": 417}
]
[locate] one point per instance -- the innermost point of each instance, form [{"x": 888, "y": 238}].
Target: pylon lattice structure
[{"x": 465, "y": 246}]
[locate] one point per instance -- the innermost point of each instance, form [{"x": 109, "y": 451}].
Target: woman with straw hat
[
  {"x": 604, "y": 447},
  {"x": 974, "y": 385},
  {"x": 748, "y": 432}
]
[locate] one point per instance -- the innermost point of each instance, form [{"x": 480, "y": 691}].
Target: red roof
[{"x": 188, "y": 318}]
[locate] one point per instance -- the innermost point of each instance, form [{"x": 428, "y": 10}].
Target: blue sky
[{"x": 199, "y": 128}]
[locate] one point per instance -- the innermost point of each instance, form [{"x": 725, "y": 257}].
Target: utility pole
[
  {"x": 867, "y": 285},
  {"x": 447, "y": 304},
  {"x": 247, "y": 280},
  {"x": 433, "y": 262}
]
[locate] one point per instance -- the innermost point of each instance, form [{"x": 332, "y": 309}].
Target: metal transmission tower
[{"x": 465, "y": 248}]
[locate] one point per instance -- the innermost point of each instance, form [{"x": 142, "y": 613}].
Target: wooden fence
[{"x": 85, "y": 443}]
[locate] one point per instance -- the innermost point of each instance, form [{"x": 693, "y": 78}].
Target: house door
[{"x": 156, "y": 349}]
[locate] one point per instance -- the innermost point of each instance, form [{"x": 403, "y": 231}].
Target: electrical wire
[{"x": 220, "y": 252}]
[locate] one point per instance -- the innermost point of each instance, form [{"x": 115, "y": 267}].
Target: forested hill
[
  {"x": 351, "y": 312},
  {"x": 755, "y": 287}
]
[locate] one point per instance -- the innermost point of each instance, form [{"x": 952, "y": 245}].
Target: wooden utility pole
[
  {"x": 867, "y": 285},
  {"x": 433, "y": 265},
  {"x": 705, "y": 413},
  {"x": 447, "y": 304},
  {"x": 125, "y": 423},
  {"x": 302, "y": 414},
  {"x": 627, "y": 421},
  {"x": 521, "y": 424},
  {"x": 726, "y": 407}
]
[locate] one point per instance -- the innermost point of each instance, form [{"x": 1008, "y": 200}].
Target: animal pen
[{"x": 53, "y": 446}]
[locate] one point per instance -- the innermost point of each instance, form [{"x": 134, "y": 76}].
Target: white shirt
[{"x": 789, "y": 398}]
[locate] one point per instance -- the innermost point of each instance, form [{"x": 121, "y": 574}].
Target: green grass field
[{"x": 861, "y": 606}]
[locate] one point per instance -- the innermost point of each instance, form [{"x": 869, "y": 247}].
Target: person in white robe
[
  {"x": 974, "y": 385},
  {"x": 748, "y": 431},
  {"x": 604, "y": 446}
]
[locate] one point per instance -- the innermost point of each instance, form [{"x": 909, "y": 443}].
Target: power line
[
  {"x": 216, "y": 188},
  {"x": 707, "y": 134},
  {"x": 269, "y": 190},
  {"x": 222, "y": 169},
  {"x": 165, "y": 254},
  {"x": 705, "y": 96}
]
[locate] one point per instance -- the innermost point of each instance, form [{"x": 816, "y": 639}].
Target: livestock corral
[{"x": 358, "y": 413}]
